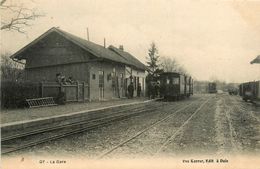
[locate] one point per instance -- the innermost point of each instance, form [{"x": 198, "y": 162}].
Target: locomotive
[
  {"x": 212, "y": 87},
  {"x": 175, "y": 86},
  {"x": 250, "y": 91}
]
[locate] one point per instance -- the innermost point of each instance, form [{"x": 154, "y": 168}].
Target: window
[
  {"x": 134, "y": 83},
  {"x": 93, "y": 76},
  {"x": 108, "y": 76},
  {"x": 167, "y": 81},
  {"x": 137, "y": 83},
  {"x": 121, "y": 79},
  {"x": 113, "y": 79},
  {"x": 175, "y": 80},
  {"x": 113, "y": 74},
  {"x": 101, "y": 78}
]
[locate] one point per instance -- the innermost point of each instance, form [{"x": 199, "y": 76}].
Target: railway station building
[{"x": 106, "y": 71}]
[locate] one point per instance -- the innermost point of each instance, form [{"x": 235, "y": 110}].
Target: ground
[{"x": 209, "y": 124}]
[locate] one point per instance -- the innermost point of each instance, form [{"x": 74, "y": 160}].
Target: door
[
  {"x": 101, "y": 84},
  {"x": 121, "y": 85}
]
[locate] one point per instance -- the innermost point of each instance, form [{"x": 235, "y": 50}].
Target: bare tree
[
  {"x": 172, "y": 65},
  {"x": 16, "y": 17},
  {"x": 169, "y": 64},
  {"x": 183, "y": 70},
  {"x": 213, "y": 78},
  {"x": 10, "y": 70}
]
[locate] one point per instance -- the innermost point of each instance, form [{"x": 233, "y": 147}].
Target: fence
[
  {"x": 79, "y": 91},
  {"x": 14, "y": 94}
]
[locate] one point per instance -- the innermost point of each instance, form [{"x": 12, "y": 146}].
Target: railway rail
[
  {"x": 83, "y": 120},
  {"x": 32, "y": 138},
  {"x": 24, "y": 140},
  {"x": 28, "y": 139},
  {"x": 233, "y": 135},
  {"x": 166, "y": 142},
  {"x": 107, "y": 152}
]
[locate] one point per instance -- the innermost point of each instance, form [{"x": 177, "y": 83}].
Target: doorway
[{"x": 101, "y": 84}]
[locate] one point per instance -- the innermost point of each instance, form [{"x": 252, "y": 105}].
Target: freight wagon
[
  {"x": 250, "y": 91},
  {"x": 212, "y": 88}
]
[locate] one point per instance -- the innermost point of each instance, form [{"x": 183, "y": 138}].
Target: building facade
[{"x": 107, "y": 71}]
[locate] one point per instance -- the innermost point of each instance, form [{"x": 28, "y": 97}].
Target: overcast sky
[{"x": 211, "y": 38}]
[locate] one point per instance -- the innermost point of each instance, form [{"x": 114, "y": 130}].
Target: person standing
[
  {"x": 130, "y": 90},
  {"x": 153, "y": 90},
  {"x": 58, "y": 78},
  {"x": 157, "y": 89},
  {"x": 139, "y": 89}
]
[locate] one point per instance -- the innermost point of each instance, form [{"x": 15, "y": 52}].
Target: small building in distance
[{"x": 107, "y": 71}]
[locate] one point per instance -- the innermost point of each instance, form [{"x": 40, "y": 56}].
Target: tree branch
[
  {"x": 21, "y": 17},
  {"x": 2, "y": 2}
]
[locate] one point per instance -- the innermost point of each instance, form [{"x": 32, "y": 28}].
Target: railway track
[
  {"x": 244, "y": 107},
  {"x": 166, "y": 142},
  {"x": 28, "y": 139},
  {"x": 25, "y": 140},
  {"x": 107, "y": 152},
  {"x": 89, "y": 117},
  {"x": 236, "y": 147}
]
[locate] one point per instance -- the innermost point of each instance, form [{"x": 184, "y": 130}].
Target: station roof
[
  {"x": 256, "y": 60},
  {"x": 130, "y": 58},
  {"x": 95, "y": 49}
]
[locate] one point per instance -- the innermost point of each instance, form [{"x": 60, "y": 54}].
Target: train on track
[
  {"x": 212, "y": 87},
  {"x": 175, "y": 86},
  {"x": 250, "y": 91}
]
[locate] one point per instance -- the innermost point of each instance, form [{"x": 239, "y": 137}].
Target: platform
[{"x": 24, "y": 118}]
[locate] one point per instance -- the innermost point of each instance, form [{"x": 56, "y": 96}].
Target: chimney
[
  {"x": 104, "y": 42},
  {"x": 121, "y": 47}
]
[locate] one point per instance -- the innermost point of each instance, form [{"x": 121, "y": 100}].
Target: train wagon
[
  {"x": 250, "y": 91},
  {"x": 212, "y": 87},
  {"x": 174, "y": 86},
  {"x": 192, "y": 82},
  {"x": 188, "y": 86},
  {"x": 190, "y": 91}
]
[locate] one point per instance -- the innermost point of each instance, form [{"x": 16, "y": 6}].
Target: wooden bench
[{"x": 41, "y": 102}]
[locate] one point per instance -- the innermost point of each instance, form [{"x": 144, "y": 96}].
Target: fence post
[
  {"x": 42, "y": 88},
  {"x": 77, "y": 91}
]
